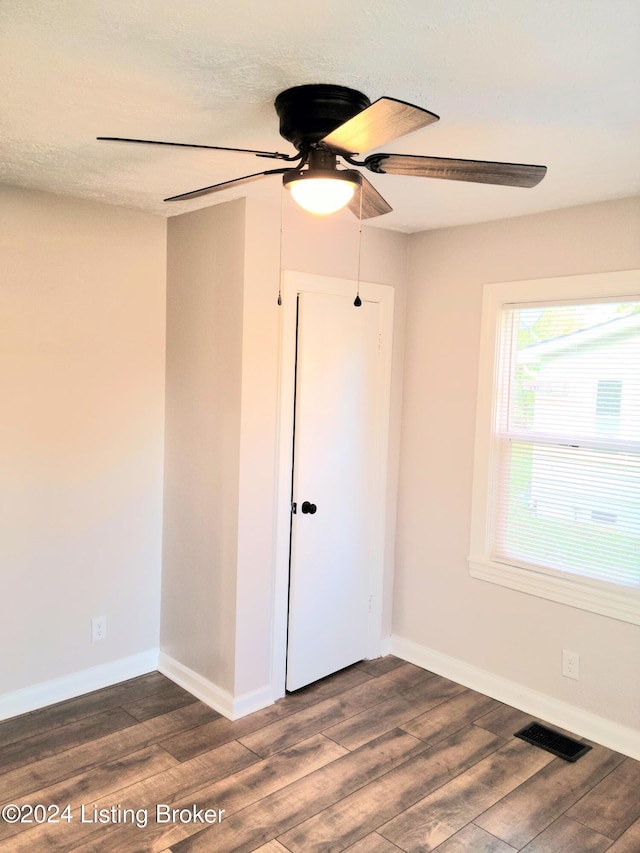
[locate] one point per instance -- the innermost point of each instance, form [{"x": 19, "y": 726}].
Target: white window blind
[{"x": 565, "y": 484}]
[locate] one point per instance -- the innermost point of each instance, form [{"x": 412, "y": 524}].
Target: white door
[{"x": 335, "y": 488}]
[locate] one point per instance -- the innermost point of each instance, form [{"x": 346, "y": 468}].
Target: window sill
[{"x": 622, "y": 603}]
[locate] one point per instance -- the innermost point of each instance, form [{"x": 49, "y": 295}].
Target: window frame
[{"x": 601, "y": 597}]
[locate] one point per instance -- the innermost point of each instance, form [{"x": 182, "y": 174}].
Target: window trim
[{"x": 607, "y": 599}]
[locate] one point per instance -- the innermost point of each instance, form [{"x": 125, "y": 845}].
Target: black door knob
[{"x": 308, "y": 508}]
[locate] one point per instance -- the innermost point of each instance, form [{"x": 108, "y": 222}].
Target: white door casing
[{"x": 377, "y": 309}]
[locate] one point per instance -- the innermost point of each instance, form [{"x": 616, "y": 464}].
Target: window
[{"x": 556, "y": 500}]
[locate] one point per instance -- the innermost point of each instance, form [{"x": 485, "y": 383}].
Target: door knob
[{"x": 308, "y": 508}]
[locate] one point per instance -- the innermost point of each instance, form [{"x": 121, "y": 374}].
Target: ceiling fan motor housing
[{"x": 308, "y": 113}]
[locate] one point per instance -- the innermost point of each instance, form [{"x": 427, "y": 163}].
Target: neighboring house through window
[
  {"x": 556, "y": 498},
  {"x": 608, "y": 406}
]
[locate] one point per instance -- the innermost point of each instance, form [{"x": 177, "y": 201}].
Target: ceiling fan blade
[
  {"x": 272, "y": 154},
  {"x": 225, "y": 185},
  {"x": 384, "y": 120},
  {"x": 372, "y": 202},
  {"x": 477, "y": 171}
]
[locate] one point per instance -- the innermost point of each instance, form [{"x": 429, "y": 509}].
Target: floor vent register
[{"x": 554, "y": 742}]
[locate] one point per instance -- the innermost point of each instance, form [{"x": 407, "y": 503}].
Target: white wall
[
  {"x": 81, "y": 438},
  {"x": 205, "y": 272},
  {"x": 82, "y": 319},
  {"x": 437, "y": 605}
]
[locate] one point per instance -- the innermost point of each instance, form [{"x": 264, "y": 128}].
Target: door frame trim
[{"x": 294, "y": 283}]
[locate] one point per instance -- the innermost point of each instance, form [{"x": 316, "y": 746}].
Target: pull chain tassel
[
  {"x": 280, "y": 259},
  {"x": 357, "y": 301}
]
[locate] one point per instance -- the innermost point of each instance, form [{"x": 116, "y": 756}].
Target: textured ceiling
[{"x": 555, "y": 82}]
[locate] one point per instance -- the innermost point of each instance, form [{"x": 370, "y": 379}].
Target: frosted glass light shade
[{"x": 322, "y": 191}]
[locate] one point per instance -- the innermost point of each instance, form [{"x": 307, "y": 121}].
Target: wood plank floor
[{"x": 379, "y": 758}]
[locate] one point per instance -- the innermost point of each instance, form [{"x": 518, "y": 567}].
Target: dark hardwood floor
[{"x": 379, "y": 758}]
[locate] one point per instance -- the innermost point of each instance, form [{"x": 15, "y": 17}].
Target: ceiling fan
[{"x": 326, "y": 122}]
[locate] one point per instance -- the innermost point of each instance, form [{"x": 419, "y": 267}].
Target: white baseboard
[
  {"x": 215, "y": 697},
  {"x": 76, "y": 684},
  {"x": 583, "y": 723},
  {"x": 252, "y": 701}
]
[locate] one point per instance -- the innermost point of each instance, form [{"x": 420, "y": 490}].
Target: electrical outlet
[
  {"x": 571, "y": 664},
  {"x": 98, "y": 628}
]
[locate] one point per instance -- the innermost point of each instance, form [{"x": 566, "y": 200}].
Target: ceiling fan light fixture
[{"x": 322, "y": 191}]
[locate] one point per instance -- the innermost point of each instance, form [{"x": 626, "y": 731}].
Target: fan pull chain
[
  {"x": 357, "y": 301},
  {"x": 281, "y": 232}
]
